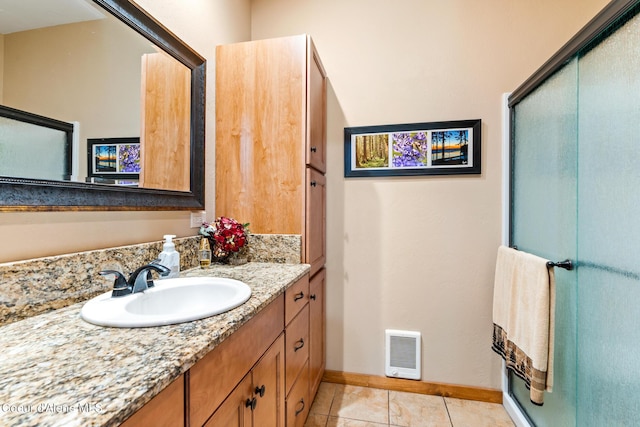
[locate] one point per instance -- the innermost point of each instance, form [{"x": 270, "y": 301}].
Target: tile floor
[{"x": 339, "y": 405}]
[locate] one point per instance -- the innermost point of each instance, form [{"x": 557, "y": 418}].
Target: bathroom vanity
[{"x": 250, "y": 362}]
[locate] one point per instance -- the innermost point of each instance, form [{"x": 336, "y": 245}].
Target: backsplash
[{"x": 35, "y": 286}]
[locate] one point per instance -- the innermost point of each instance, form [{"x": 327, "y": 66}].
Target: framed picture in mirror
[{"x": 113, "y": 160}]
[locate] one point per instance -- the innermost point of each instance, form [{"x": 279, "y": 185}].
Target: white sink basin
[{"x": 169, "y": 301}]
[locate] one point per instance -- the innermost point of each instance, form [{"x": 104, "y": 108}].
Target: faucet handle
[
  {"x": 161, "y": 269},
  {"x": 120, "y": 285},
  {"x": 142, "y": 279}
]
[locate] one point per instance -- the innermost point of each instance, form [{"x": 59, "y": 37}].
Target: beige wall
[
  {"x": 419, "y": 253},
  {"x": 99, "y": 88},
  {"x": 200, "y": 23}
]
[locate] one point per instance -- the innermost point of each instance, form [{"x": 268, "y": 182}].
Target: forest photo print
[{"x": 437, "y": 148}]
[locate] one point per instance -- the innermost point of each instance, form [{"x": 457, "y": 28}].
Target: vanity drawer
[
  {"x": 296, "y": 346},
  {"x": 296, "y": 297},
  {"x": 298, "y": 402}
]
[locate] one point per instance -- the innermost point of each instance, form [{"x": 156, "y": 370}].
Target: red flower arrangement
[{"x": 226, "y": 235}]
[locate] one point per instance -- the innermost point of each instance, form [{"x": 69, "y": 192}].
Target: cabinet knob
[
  {"x": 314, "y": 149},
  {"x": 298, "y": 296},
  {"x": 251, "y": 403},
  {"x": 301, "y": 405},
  {"x": 312, "y": 296},
  {"x": 313, "y": 183},
  {"x": 299, "y": 344},
  {"x": 260, "y": 390}
]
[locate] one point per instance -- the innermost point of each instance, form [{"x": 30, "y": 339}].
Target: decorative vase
[{"x": 218, "y": 254}]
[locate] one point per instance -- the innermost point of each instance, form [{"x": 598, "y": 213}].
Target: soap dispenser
[{"x": 169, "y": 257}]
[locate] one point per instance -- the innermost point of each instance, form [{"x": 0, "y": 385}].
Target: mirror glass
[{"x": 89, "y": 102}]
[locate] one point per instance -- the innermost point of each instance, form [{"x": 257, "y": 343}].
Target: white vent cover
[{"x": 403, "y": 354}]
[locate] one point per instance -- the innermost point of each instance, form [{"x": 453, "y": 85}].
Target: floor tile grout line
[
  {"x": 333, "y": 396},
  {"x": 448, "y": 413},
  {"x": 388, "y": 407}
]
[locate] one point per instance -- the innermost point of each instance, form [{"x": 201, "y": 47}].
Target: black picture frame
[
  {"x": 430, "y": 148},
  {"x": 113, "y": 159}
]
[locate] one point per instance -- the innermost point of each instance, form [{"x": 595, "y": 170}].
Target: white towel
[{"x": 523, "y": 318}]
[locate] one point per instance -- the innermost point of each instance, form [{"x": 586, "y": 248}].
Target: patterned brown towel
[{"x": 523, "y": 318}]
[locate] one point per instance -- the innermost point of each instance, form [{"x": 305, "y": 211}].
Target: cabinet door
[
  {"x": 315, "y": 237},
  {"x": 316, "y": 111},
  {"x": 235, "y": 411},
  {"x": 316, "y": 331},
  {"x": 260, "y": 133},
  {"x": 215, "y": 375},
  {"x": 268, "y": 387}
]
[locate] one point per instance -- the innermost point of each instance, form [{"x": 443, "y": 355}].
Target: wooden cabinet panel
[
  {"x": 295, "y": 297},
  {"x": 166, "y": 121},
  {"x": 316, "y": 108},
  {"x": 299, "y": 401},
  {"x": 259, "y": 399},
  {"x": 234, "y": 412},
  {"x": 297, "y": 346},
  {"x": 316, "y": 330},
  {"x": 260, "y": 126},
  {"x": 216, "y": 374},
  {"x": 315, "y": 237},
  {"x": 166, "y": 409},
  {"x": 269, "y": 387}
]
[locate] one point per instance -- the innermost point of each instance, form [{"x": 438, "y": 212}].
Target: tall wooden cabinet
[
  {"x": 270, "y": 166},
  {"x": 271, "y": 138}
]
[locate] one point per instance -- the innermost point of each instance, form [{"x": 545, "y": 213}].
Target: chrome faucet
[{"x": 139, "y": 281}]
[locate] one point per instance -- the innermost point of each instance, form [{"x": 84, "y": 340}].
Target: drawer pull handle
[
  {"x": 314, "y": 149},
  {"x": 251, "y": 403},
  {"x": 301, "y": 409},
  {"x": 299, "y": 344},
  {"x": 313, "y": 183},
  {"x": 312, "y": 296},
  {"x": 298, "y": 296},
  {"x": 260, "y": 390}
]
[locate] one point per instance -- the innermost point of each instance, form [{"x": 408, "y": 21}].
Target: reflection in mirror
[
  {"x": 52, "y": 64},
  {"x": 33, "y": 146}
]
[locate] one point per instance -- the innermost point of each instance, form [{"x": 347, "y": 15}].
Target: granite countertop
[{"x": 58, "y": 370}]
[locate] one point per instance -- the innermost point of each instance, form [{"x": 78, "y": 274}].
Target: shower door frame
[{"x": 607, "y": 16}]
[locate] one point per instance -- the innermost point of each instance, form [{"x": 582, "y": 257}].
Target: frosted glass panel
[
  {"x": 32, "y": 151},
  {"x": 544, "y": 222},
  {"x": 609, "y": 231}
]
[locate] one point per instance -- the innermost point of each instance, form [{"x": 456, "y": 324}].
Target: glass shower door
[
  {"x": 543, "y": 222},
  {"x": 608, "y": 351}
]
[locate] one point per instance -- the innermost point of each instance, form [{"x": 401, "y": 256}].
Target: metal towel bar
[{"x": 567, "y": 264}]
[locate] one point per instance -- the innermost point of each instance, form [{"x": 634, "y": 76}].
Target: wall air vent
[{"x": 402, "y": 354}]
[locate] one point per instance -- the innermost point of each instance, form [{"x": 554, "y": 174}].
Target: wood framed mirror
[{"x": 169, "y": 121}]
